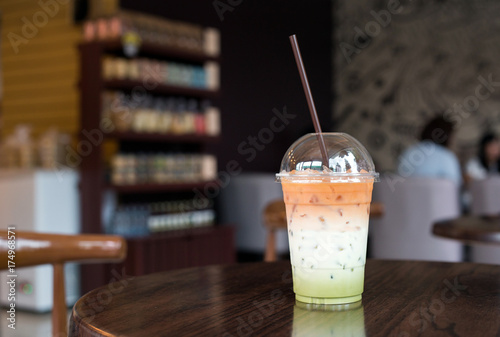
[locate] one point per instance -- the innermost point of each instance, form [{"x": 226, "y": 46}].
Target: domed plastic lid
[{"x": 348, "y": 159}]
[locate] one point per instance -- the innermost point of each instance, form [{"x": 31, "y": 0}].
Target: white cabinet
[{"x": 40, "y": 201}]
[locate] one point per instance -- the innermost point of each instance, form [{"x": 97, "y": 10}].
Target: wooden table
[
  {"x": 401, "y": 299},
  {"x": 470, "y": 228}
]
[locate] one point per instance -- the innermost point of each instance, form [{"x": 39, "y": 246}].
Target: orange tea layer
[{"x": 327, "y": 206}]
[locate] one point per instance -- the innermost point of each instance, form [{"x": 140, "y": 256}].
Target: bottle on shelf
[
  {"x": 154, "y": 72},
  {"x": 138, "y": 220},
  {"x": 155, "y": 30},
  {"x": 164, "y": 115},
  {"x": 162, "y": 168}
]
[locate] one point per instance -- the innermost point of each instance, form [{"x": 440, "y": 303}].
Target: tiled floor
[{"x": 27, "y": 324}]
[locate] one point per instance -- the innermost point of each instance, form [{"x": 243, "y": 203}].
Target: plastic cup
[{"x": 327, "y": 211}]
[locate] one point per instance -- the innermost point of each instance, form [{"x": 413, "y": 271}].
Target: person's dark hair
[
  {"x": 487, "y": 138},
  {"x": 438, "y": 130}
]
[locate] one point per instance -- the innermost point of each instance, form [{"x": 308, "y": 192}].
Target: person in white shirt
[
  {"x": 488, "y": 160},
  {"x": 431, "y": 157}
]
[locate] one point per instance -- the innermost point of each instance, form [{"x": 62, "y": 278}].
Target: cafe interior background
[{"x": 378, "y": 70}]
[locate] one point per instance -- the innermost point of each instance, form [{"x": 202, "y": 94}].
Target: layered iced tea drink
[{"x": 327, "y": 212}]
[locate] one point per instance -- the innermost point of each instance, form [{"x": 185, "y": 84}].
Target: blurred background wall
[{"x": 397, "y": 64}]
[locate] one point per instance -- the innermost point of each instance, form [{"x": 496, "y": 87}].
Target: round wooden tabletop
[
  {"x": 401, "y": 298},
  {"x": 470, "y": 228}
]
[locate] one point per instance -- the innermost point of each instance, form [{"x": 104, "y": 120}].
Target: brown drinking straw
[{"x": 310, "y": 101}]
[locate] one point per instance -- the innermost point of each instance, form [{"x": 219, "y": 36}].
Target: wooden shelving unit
[{"x": 158, "y": 251}]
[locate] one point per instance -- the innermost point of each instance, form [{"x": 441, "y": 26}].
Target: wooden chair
[
  {"x": 275, "y": 218},
  {"x": 33, "y": 249}
]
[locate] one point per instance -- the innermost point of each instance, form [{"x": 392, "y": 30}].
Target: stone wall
[{"x": 398, "y": 64}]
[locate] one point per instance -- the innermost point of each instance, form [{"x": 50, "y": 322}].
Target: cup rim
[{"x": 345, "y": 175}]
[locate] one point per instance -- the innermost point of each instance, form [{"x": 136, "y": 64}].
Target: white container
[{"x": 40, "y": 201}]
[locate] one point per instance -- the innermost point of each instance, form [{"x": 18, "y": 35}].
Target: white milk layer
[{"x": 328, "y": 249}]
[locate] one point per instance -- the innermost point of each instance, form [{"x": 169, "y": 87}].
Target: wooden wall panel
[{"x": 41, "y": 80}]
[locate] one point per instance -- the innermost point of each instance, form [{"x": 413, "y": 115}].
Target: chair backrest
[
  {"x": 412, "y": 206},
  {"x": 274, "y": 217},
  {"x": 485, "y": 196},
  {"x": 24, "y": 249},
  {"x": 244, "y": 200},
  {"x": 485, "y": 200}
]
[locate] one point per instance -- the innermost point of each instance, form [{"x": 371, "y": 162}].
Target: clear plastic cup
[{"x": 327, "y": 211}]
